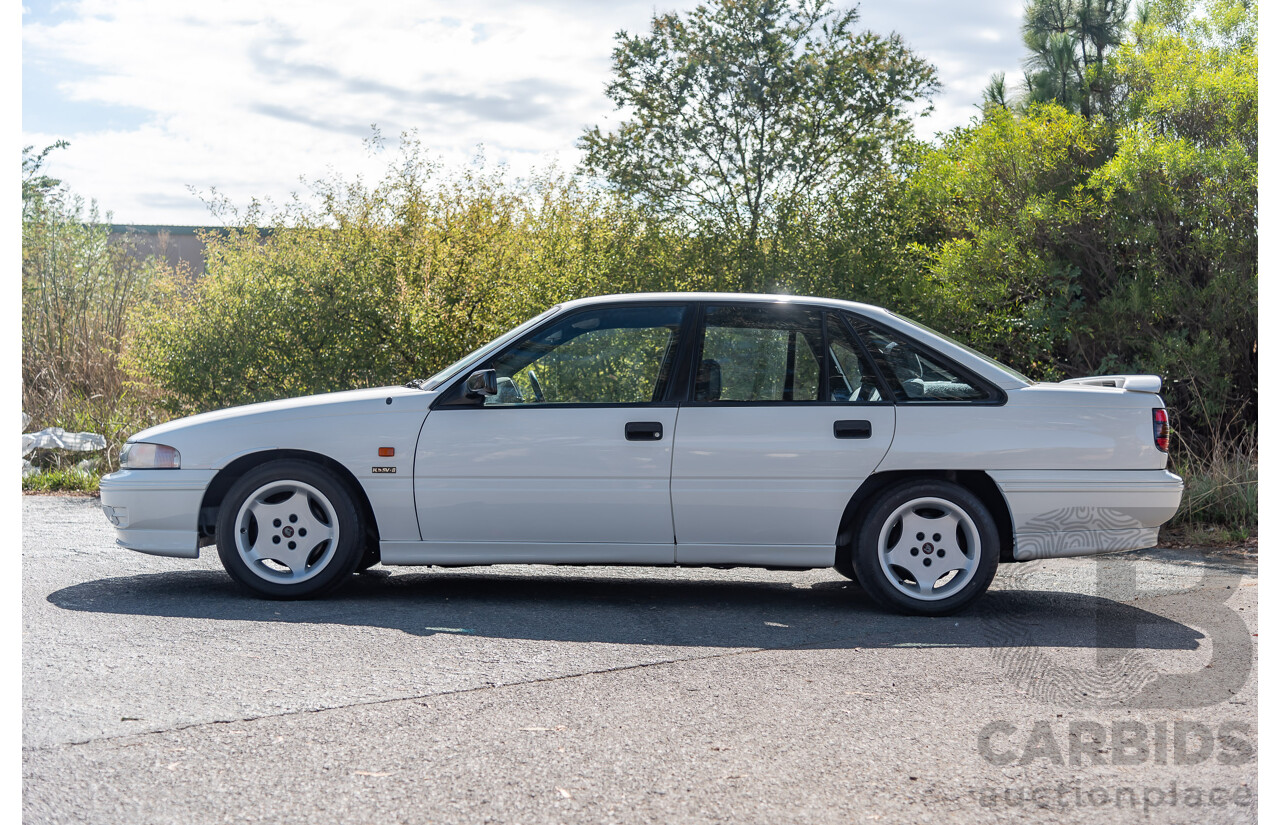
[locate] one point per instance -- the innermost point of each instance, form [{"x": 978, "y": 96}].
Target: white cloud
[{"x": 247, "y": 96}]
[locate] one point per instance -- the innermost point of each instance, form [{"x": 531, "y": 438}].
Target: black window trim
[
  {"x": 454, "y": 398},
  {"x": 886, "y": 393}
]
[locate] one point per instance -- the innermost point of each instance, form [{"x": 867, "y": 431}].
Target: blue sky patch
[{"x": 48, "y": 110}]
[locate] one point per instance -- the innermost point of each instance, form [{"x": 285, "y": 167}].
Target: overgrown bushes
[
  {"x": 78, "y": 290},
  {"x": 1063, "y": 244},
  {"x": 379, "y": 284}
]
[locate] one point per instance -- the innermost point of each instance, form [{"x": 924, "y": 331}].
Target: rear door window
[{"x": 760, "y": 353}]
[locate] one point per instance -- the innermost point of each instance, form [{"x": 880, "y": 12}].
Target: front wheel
[
  {"x": 926, "y": 547},
  {"x": 290, "y": 530}
]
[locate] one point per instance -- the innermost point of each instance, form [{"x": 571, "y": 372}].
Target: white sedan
[{"x": 687, "y": 429}]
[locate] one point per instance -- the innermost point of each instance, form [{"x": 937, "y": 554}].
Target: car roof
[{"x": 736, "y": 297}]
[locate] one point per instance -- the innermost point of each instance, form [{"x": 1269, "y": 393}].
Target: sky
[{"x": 165, "y": 101}]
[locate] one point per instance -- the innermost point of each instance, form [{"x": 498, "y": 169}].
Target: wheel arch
[
  {"x": 975, "y": 481},
  {"x": 230, "y": 474}
]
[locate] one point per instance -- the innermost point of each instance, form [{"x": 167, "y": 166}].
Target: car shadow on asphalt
[{"x": 645, "y": 610}]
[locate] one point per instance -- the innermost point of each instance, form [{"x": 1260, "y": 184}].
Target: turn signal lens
[
  {"x": 1160, "y": 427},
  {"x": 143, "y": 456},
  {"x": 386, "y": 452}
]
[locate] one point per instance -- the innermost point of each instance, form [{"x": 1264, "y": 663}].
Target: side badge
[{"x": 384, "y": 469}]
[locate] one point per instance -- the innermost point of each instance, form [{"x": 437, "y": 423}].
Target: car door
[
  {"x": 785, "y": 421},
  {"x": 570, "y": 460}
]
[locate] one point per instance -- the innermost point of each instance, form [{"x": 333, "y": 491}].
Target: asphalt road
[{"x": 1114, "y": 690}]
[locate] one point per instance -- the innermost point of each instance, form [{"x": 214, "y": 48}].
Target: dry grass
[
  {"x": 1220, "y": 504},
  {"x": 79, "y": 289}
]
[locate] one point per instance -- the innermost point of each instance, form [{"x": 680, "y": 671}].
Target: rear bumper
[
  {"x": 156, "y": 511},
  {"x": 1085, "y": 512}
]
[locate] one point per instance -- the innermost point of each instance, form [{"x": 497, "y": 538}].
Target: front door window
[{"x": 621, "y": 355}]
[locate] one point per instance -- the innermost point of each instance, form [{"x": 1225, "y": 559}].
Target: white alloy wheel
[
  {"x": 286, "y": 532},
  {"x": 926, "y": 546},
  {"x": 291, "y": 529},
  {"x": 929, "y": 548}
]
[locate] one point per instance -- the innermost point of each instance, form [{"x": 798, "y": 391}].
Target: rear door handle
[
  {"x": 644, "y": 430},
  {"x": 852, "y": 429}
]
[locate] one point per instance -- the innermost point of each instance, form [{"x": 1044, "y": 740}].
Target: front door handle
[
  {"x": 644, "y": 430},
  {"x": 853, "y": 429}
]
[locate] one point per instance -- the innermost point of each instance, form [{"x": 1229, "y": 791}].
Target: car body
[{"x": 697, "y": 429}]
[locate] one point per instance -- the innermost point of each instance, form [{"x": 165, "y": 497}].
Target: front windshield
[
  {"x": 993, "y": 362},
  {"x": 479, "y": 354}
]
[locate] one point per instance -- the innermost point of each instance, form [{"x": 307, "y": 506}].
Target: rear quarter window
[{"x": 916, "y": 373}]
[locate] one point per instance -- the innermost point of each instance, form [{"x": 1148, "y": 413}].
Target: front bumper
[{"x": 156, "y": 511}]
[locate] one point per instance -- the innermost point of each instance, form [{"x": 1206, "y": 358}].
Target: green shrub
[
  {"x": 379, "y": 285},
  {"x": 57, "y": 481}
]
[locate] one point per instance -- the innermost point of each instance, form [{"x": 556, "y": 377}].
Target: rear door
[{"x": 784, "y": 421}]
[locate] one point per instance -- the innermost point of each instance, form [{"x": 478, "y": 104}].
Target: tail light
[{"x": 1160, "y": 428}]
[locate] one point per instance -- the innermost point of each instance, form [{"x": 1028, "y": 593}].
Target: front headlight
[{"x": 143, "y": 456}]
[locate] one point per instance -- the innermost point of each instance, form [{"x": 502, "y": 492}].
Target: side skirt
[
  {"x": 466, "y": 553},
  {"x": 754, "y": 555},
  {"x": 799, "y": 557}
]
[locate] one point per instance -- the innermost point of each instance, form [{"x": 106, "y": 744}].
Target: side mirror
[{"x": 482, "y": 382}]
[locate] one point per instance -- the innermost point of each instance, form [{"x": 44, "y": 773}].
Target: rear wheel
[
  {"x": 289, "y": 530},
  {"x": 926, "y": 547}
]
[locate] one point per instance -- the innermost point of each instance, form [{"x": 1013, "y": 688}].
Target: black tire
[
  {"x": 288, "y": 562},
  {"x": 930, "y": 507},
  {"x": 371, "y": 556}
]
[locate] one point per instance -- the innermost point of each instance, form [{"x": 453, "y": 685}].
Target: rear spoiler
[{"x": 1133, "y": 383}]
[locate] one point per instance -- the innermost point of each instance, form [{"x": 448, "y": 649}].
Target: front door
[
  {"x": 571, "y": 460},
  {"x": 786, "y": 421}
]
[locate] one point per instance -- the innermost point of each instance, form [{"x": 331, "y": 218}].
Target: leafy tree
[
  {"x": 996, "y": 93},
  {"x": 1182, "y": 187},
  {"x": 1073, "y": 245},
  {"x": 37, "y": 187},
  {"x": 1071, "y": 45},
  {"x": 743, "y": 107}
]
